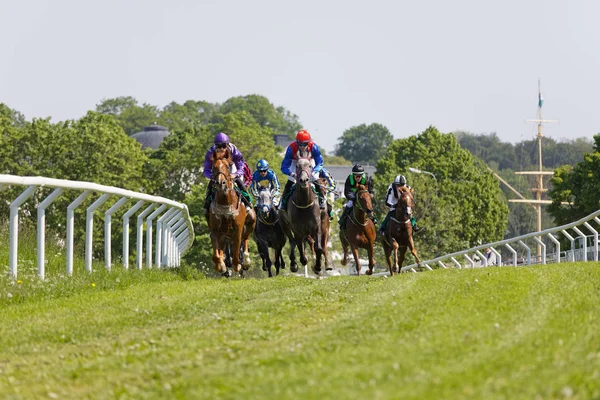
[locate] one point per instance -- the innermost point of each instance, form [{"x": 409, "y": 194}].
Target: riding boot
[
  {"x": 322, "y": 200},
  {"x": 330, "y": 211},
  {"x": 415, "y": 228},
  {"x": 373, "y": 218},
  {"x": 344, "y": 217},
  {"x": 208, "y": 199},
  {"x": 385, "y": 222},
  {"x": 285, "y": 195},
  {"x": 246, "y": 198}
]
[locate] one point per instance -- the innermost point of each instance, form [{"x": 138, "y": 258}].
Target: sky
[{"x": 468, "y": 65}]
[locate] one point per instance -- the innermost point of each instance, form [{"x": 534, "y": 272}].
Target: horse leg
[
  {"x": 396, "y": 266},
  {"x": 217, "y": 255},
  {"x": 413, "y": 250},
  {"x": 263, "y": 254},
  {"x": 356, "y": 259},
  {"x": 388, "y": 249},
  {"x": 236, "y": 242},
  {"x": 246, "y": 255},
  {"x": 324, "y": 240},
  {"x": 401, "y": 255},
  {"x": 371, "y": 254},
  {"x": 318, "y": 250},
  {"x": 301, "y": 250},
  {"x": 344, "y": 241},
  {"x": 278, "y": 259},
  {"x": 293, "y": 263}
]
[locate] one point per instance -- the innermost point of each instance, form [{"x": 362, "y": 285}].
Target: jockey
[
  {"x": 358, "y": 176},
  {"x": 264, "y": 177},
  {"x": 303, "y": 147},
  {"x": 221, "y": 144},
  {"x": 391, "y": 200}
]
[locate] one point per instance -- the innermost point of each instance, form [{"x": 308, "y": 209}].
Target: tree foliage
[
  {"x": 462, "y": 206},
  {"x": 363, "y": 143},
  {"x": 579, "y": 186}
]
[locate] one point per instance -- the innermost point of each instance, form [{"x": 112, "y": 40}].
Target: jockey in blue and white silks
[{"x": 264, "y": 177}]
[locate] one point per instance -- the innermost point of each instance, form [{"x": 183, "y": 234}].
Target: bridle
[{"x": 358, "y": 205}]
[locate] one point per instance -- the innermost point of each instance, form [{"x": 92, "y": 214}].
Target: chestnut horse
[
  {"x": 268, "y": 232},
  {"x": 228, "y": 222},
  {"x": 360, "y": 230},
  {"x": 302, "y": 218},
  {"x": 397, "y": 237}
]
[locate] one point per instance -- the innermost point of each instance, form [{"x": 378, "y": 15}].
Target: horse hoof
[
  {"x": 369, "y": 272},
  {"x": 294, "y": 268},
  {"x": 227, "y": 274}
]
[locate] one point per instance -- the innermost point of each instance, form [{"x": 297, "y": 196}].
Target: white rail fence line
[
  {"x": 574, "y": 253},
  {"x": 174, "y": 231}
]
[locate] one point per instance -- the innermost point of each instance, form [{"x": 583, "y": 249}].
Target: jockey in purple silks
[{"x": 221, "y": 144}]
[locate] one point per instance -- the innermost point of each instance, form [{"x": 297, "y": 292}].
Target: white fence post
[
  {"x": 14, "y": 229},
  {"x": 70, "y": 226},
  {"x": 107, "y": 231},
  {"x": 149, "y": 234},
  {"x": 126, "y": 217},
  {"x": 89, "y": 230},
  {"x": 140, "y": 235},
  {"x": 41, "y": 231}
]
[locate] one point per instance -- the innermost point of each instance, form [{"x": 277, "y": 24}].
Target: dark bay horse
[
  {"x": 398, "y": 237},
  {"x": 302, "y": 218},
  {"x": 228, "y": 222},
  {"x": 360, "y": 230},
  {"x": 268, "y": 232}
]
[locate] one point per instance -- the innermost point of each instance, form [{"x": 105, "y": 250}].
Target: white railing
[
  {"x": 174, "y": 230},
  {"x": 573, "y": 253}
]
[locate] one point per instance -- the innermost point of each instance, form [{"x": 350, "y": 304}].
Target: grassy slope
[{"x": 487, "y": 333}]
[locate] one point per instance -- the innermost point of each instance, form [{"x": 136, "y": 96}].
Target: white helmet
[{"x": 400, "y": 180}]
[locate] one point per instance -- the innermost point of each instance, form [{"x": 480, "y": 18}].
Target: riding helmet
[
  {"x": 303, "y": 136},
  {"x": 262, "y": 165},
  {"x": 400, "y": 180},
  {"x": 221, "y": 138},
  {"x": 358, "y": 169}
]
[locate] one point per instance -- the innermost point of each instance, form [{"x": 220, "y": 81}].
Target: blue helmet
[{"x": 262, "y": 165}]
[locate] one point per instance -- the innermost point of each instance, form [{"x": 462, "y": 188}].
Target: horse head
[
  {"x": 265, "y": 203},
  {"x": 405, "y": 202},
  {"x": 303, "y": 172},
  {"x": 221, "y": 174},
  {"x": 364, "y": 199}
]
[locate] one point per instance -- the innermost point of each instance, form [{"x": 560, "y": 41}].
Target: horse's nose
[{"x": 265, "y": 210}]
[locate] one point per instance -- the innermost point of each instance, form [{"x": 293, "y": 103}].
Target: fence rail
[
  {"x": 577, "y": 248},
  {"x": 174, "y": 229}
]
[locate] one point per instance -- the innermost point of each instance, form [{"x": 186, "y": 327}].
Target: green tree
[
  {"x": 462, "y": 206},
  {"x": 189, "y": 115},
  {"x": 264, "y": 113},
  {"x": 131, "y": 116},
  {"x": 579, "y": 186},
  {"x": 364, "y": 143}
]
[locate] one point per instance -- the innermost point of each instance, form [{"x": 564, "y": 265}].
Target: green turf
[{"x": 529, "y": 332}]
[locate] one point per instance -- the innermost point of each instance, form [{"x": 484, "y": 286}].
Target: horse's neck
[
  {"x": 226, "y": 197},
  {"x": 359, "y": 214},
  {"x": 401, "y": 214},
  {"x": 304, "y": 196}
]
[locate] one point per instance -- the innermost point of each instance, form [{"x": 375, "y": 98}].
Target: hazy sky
[{"x": 458, "y": 65}]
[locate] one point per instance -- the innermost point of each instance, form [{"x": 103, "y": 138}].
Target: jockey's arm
[
  {"x": 208, "y": 164},
  {"x": 286, "y": 163},
  {"x": 316, "y": 155},
  {"x": 275, "y": 183},
  {"x": 238, "y": 160},
  {"x": 347, "y": 188}
]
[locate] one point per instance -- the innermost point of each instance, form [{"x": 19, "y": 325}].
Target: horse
[
  {"x": 360, "y": 230},
  {"x": 229, "y": 223},
  {"x": 268, "y": 232},
  {"x": 397, "y": 237},
  {"x": 302, "y": 218}
]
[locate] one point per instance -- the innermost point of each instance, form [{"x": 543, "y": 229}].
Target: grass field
[{"x": 510, "y": 333}]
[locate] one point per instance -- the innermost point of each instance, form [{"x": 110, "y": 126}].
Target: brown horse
[
  {"x": 397, "y": 237},
  {"x": 228, "y": 222},
  {"x": 302, "y": 220},
  {"x": 360, "y": 230}
]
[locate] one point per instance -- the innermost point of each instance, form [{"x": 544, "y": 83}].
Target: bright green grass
[{"x": 488, "y": 333}]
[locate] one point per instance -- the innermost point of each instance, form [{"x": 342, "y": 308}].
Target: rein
[
  {"x": 357, "y": 204},
  {"x": 264, "y": 221}
]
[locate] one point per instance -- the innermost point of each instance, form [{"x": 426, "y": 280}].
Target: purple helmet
[{"x": 221, "y": 138}]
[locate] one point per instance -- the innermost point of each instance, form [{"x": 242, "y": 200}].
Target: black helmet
[{"x": 358, "y": 169}]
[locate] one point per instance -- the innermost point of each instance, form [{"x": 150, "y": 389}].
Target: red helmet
[{"x": 303, "y": 136}]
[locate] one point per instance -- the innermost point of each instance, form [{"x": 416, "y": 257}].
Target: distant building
[
  {"x": 152, "y": 136},
  {"x": 282, "y": 140}
]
